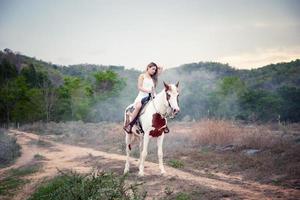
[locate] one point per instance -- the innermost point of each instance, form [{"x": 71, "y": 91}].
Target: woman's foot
[
  {"x": 127, "y": 128},
  {"x": 166, "y": 130}
]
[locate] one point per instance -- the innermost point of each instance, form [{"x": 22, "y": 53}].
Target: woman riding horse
[{"x": 147, "y": 83}]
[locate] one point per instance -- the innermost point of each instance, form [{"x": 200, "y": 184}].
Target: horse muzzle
[{"x": 176, "y": 111}]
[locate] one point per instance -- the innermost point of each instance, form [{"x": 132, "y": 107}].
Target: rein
[{"x": 165, "y": 115}]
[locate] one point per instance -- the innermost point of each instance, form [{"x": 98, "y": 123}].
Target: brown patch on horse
[
  {"x": 129, "y": 146},
  {"x": 159, "y": 124},
  {"x": 167, "y": 87}
]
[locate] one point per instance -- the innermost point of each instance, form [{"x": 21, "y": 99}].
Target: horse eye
[{"x": 168, "y": 96}]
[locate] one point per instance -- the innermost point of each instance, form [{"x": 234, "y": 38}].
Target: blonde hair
[{"x": 155, "y": 75}]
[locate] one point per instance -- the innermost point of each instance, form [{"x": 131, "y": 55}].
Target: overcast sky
[{"x": 132, "y": 33}]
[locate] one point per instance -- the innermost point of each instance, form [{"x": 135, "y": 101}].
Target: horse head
[{"x": 171, "y": 99}]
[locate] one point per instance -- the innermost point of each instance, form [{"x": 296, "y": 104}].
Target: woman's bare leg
[{"x": 135, "y": 112}]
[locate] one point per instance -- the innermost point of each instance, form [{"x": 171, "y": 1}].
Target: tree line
[
  {"x": 33, "y": 90},
  {"x": 233, "y": 99},
  {"x": 28, "y": 94},
  {"x": 215, "y": 90}
]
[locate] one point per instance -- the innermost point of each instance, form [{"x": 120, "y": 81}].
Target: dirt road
[{"x": 63, "y": 156}]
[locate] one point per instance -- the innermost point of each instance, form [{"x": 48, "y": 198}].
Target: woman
[{"x": 147, "y": 83}]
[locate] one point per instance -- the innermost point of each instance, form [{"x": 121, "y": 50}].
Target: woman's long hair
[{"x": 155, "y": 75}]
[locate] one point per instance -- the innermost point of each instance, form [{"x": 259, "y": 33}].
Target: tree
[
  {"x": 50, "y": 97},
  {"x": 226, "y": 97},
  {"x": 7, "y": 72},
  {"x": 108, "y": 83},
  {"x": 259, "y": 105},
  {"x": 11, "y": 93},
  {"x": 74, "y": 99},
  {"x": 290, "y": 103}
]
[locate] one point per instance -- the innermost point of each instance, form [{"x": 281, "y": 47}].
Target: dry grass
[
  {"x": 215, "y": 132},
  {"x": 104, "y": 136},
  {"x": 219, "y": 145},
  {"x": 223, "y": 133},
  {"x": 9, "y": 148}
]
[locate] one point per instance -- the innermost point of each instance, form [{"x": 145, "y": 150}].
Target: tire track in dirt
[{"x": 64, "y": 156}]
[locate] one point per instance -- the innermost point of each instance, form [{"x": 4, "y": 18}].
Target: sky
[{"x": 243, "y": 33}]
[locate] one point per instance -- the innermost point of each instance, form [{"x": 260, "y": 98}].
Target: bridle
[{"x": 167, "y": 114}]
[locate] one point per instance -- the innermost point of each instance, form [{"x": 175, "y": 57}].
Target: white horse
[{"x": 153, "y": 122}]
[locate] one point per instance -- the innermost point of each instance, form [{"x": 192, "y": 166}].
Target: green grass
[
  {"x": 182, "y": 196},
  {"x": 9, "y": 184},
  {"x": 39, "y": 157},
  {"x": 74, "y": 186},
  {"x": 14, "y": 179},
  {"x": 175, "y": 163},
  {"x": 26, "y": 170}
]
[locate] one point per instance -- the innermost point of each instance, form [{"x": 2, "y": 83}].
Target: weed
[
  {"x": 39, "y": 157},
  {"x": 176, "y": 163},
  {"x": 9, "y": 149},
  {"x": 99, "y": 185},
  {"x": 14, "y": 179},
  {"x": 182, "y": 196},
  {"x": 168, "y": 190}
]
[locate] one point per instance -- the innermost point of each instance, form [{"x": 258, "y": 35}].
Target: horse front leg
[
  {"x": 144, "y": 153},
  {"x": 160, "y": 140}
]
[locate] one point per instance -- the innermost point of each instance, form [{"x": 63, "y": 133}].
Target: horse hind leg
[
  {"x": 128, "y": 150},
  {"x": 140, "y": 148}
]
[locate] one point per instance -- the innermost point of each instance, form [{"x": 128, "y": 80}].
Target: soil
[{"x": 58, "y": 156}]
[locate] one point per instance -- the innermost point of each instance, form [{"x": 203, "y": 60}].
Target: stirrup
[{"x": 166, "y": 130}]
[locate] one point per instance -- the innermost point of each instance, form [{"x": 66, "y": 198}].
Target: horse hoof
[
  {"x": 126, "y": 171},
  {"x": 163, "y": 172},
  {"x": 141, "y": 174}
]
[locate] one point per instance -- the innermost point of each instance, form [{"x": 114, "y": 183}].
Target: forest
[{"x": 33, "y": 90}]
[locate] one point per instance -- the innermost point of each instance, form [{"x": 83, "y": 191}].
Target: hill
[{"x": 96, "y": 93}]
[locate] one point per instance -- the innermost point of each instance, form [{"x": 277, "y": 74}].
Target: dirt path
[{"x": 63, "y": 156}]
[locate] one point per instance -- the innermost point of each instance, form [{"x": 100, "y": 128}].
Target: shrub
[
  {"x": 176, "y": 163},
  {"x": 99, "y": 185},
  {"x": 9, "y": 149},
  {"x": 182, "y": 196}
]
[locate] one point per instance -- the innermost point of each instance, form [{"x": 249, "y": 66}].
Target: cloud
[{"x": 261, "y": 57}]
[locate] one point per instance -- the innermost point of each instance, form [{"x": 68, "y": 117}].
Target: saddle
[{"x": 138, "y": 125}]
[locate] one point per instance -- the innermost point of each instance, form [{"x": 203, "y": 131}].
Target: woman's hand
[{"x": 159, "y": 69}]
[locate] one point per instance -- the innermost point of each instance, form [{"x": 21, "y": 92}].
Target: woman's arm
[
  {"x": 159, "y": 69},
  {"x": 140, "y": 84}
]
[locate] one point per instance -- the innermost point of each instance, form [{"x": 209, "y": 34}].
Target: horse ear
[
  {"x": 167, "y": 87},
  {"x": 177, "y": 84}
]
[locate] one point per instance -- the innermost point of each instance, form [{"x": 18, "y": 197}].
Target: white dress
[{"x": 147, "y": 84}]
